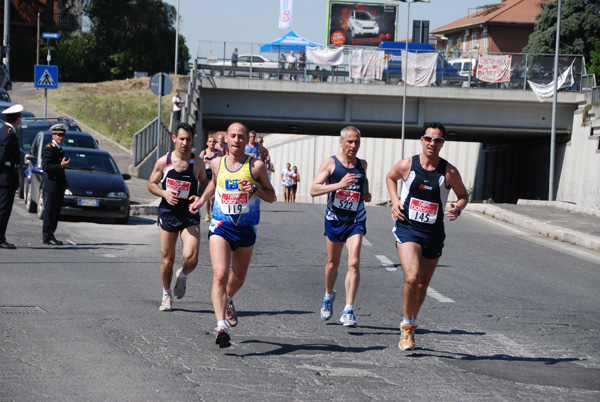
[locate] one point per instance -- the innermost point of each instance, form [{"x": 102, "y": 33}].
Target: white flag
[
  {"x": 285, "y": 14},
  {"x": 544, "y": 92}
]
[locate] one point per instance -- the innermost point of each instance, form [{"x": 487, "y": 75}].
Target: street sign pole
[
  {"x": 160, "y": 94},
  {"x": 160, "y": 85}
]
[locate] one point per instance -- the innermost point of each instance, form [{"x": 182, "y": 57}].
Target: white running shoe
[
  {"x": 179, "y": 289},
  {"x": 165, "y": 305}
]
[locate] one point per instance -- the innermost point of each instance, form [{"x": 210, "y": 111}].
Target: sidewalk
[{"x": 552, "y": 219}]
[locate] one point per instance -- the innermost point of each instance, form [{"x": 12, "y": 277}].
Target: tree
[
  {"x": 133, "y": 35},
  {"x": 594, "y": 65},
  {"x": 579, "y": 28}
]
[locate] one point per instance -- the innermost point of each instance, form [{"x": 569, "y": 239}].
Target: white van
[{"x": 464, "y": 66}]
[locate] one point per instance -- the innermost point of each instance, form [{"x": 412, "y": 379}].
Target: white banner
[
  {"x": 494, "y": 68},
  {"x": 367, "y": 64},
  {"x": 544, "y": 92},
  {"x": 420, "y": 68},
  {"x": 325, "y": 56},
  {"x": 285, "y": 14}
]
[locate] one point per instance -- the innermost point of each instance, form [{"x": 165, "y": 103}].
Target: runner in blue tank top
[
  {"x": 175, "y": 179},
  {"x": 343, "y": 177},
  {"x": 419, "y": 216}
]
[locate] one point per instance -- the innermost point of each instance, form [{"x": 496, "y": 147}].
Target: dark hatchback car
[
  {"x": 26, "y": 133},
  {"x": 96, "y": 188}
]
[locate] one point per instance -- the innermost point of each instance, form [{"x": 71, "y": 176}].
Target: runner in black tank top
[{"x": 419, "y": 216}]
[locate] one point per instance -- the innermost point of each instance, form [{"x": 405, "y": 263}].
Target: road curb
[{"x": 543, "y": 228}]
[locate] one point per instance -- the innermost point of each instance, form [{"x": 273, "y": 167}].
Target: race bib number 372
[
  {"x": 234, "y": 203},
  {"x": 422, "y": 211}
]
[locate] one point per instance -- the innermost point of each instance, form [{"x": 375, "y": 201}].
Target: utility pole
[
  {"x": 176, "y": 38},
  {"x": 6, "y": 41}
]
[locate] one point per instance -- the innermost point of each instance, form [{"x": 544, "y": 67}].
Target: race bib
[
  {"x": 182, "y": 188},
  {"x": 422, "y": 211},
  {"x": 347, "y": 200},
  {"x": 234, "y": 203}
]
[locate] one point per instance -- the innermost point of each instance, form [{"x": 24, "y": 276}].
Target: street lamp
[
  {"x": 176, "y": 37},
  {"x": 405, "y": 69},
  {"x": 553, "y": 129}
]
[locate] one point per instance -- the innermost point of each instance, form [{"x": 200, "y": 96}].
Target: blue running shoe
[
  {"x": 348, "y": 318},
  {"x": 327, "y": 307}
]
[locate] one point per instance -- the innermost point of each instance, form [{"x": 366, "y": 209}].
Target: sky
[{"x": 256, "y": 21}]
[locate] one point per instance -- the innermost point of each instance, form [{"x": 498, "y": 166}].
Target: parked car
[
  {"x": 5, "y": 78},
  {"x": 27, "y": 132},
  {"x": 96, "y": 187},
  {"x": 245, "y": 62},
  {"x": 33, "y": 160},
  {"x": 362, "y": 23},
  {"x": 464, "y": 66},
  {"x": 5, "y": 105}
]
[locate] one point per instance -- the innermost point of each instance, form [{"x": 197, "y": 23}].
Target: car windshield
[
  {"x": 4, "y": 97},
  {"x": 27, "y": 136},
  {"x": 79, "y": 141},
  {"x": 94, "y": 162},
  {"x": 364, "y": 16}
]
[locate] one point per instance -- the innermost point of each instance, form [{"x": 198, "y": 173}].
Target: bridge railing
[
  {"x": 145, "y": 141},
  {"x": 214, "y": 58}
]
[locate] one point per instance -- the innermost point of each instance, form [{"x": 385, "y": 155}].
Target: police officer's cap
[
  {"x": 13, "y": 109},
  {"x": 58, "y": 128}
]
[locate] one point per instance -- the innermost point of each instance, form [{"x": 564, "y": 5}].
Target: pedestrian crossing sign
[{"x": 46, "y": 76}]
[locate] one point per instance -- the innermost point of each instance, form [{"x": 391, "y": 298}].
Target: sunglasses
[
  {"x": 60, "y": 134},
  {"x": 437, "y": 140}
]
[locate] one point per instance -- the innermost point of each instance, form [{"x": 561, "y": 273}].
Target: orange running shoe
[{"x": 407, "y": 340}]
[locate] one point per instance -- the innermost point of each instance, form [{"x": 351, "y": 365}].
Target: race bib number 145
[{"x": 422, "y": 211}]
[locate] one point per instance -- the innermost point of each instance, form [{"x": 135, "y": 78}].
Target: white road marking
[
  {"x": 438, "y": 296},
  {"x": 366, "y": 242},
  {"x": 388, "y": 264},
  {"x": 513, "y": 346}
]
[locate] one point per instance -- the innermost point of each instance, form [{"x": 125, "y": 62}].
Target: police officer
[
  {"x": 9, "y": 163},
  {"x": 55, "y": 182}
]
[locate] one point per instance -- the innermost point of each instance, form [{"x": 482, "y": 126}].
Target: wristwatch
[{"x": 254, "y": 189}]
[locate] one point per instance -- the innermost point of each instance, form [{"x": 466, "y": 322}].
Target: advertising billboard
[{"x": 360, "y": 24}]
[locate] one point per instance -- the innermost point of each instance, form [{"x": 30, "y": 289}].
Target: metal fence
[
  {"x": 214, "y": 58},
  {"x": 145, "y": 140}
]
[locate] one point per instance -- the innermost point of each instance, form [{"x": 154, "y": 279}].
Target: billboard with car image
[{"x": 360, "y": 23}]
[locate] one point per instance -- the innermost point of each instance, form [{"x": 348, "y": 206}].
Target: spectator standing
[
  {"x": 177, "y": 104},
  {"x": 9, "y": 164},
  {"x": 234, "y": 60},
  {"x": 302, "y": 65},
  {"x": 295, "y": 181},
  {"x": 252, "y": 147},
  {"x": 269, "y": 165},
  {"x": 292, "y": 63},
  {"x": 286, "y": 180},
  {"x": 264, "y": 152},
  {"x": 55, "y": 182},
  {"x": 282, "y": 61}
]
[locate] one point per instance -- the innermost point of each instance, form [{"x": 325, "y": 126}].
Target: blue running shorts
[
  {"x": 339, "y": 232},
  {"x": 176, "y": 221},
  {"x": 431, "y": 243},
  {"x": 236, "y": 236}
]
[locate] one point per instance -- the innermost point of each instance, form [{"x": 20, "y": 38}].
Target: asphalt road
[{"x": 509, "y": 317}]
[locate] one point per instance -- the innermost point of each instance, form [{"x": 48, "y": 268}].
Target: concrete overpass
[{"x": 470, "y": 114}]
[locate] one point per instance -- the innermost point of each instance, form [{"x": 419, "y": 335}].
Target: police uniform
[
  {"x": 175, "y": 218},
  {"x": 424, "y": 195},
  {"x": 54, "y": 185},
  {"x": 346, "y": 215},
  {"x": 9, "y": 176},
  {"x": 235, "y": 212}
]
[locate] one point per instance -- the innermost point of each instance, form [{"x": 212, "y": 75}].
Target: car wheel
[
  {"x": 265, "y": 76},
  {"x": 217, "y": 73},
  {"x": 29, "y": 204},
  {"x": 9, "y": 86},
  {"x": 394, "y": 81},
  {"x": 123, "y": 221},
  {"x": 40, "y": 206}
]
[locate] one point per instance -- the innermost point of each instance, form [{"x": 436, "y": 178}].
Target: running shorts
[
  {"x": 339, "y": 232},
  {"x": 431, "y": 243},
  {"x": 176, "y": 221},
  {"x": 236, "y": 236}
]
